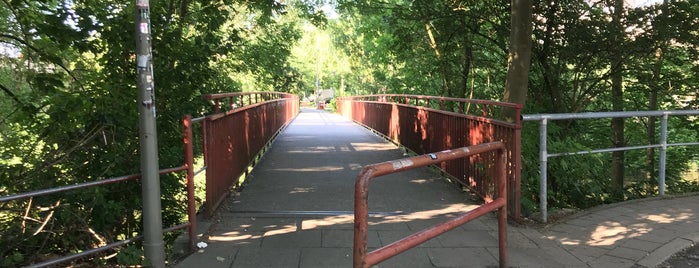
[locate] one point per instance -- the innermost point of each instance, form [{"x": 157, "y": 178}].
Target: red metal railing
[
  {"x": 191, "y": 225},
  {"x": 235, "y": 137},
  {"x": 429, "y": 124},
  {"x": 361, "y": 206}
]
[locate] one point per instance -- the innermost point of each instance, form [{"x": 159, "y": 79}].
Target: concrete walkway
[{"x": 296, "y": 211}]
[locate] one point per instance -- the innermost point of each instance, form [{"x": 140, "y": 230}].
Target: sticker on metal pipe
[
  {"x": 143, "y": 27},
  {"x": 142, "y": 61},
  {"x": 398, "y": 164}
]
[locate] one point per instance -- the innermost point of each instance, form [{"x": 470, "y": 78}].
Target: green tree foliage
[
  {"x": 459, "y": 49},
  {"x": 442, "y": 48},
  {"x": 68, "y": 106}
]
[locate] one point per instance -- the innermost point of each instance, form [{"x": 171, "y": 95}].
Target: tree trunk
[
  {"x": 550, "y": 72},
  {"x": 519, "y": 57},
  {"x": 653, "y": 105},
  {"x": 617, "y": 125},
  {"x": 468, "y": 56},
  {"x": 446, "y": 90}
]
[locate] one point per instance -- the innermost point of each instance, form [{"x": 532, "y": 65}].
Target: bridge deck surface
[{"x": 296, "y": 211}]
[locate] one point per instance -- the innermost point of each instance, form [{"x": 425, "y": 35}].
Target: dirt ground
[{"x": 683, "y": 259}]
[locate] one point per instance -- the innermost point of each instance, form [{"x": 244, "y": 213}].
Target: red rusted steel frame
[
  {"x": 189, "y": 163},
  {"x": 423, "y": 129},
  {"x": 235, "y": 138},
  {"x": 361, "y": 207},
  {"x": 515, "y": 157}
]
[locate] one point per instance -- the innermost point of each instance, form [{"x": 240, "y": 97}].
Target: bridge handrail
[
  {"x": 230, "y": 147},
  {"x": 544, "y": 154},
  {"x": 77, "y": 186},
  {"x": 237, "y": 99},
  {"x": 377, "y": 97},
  {"x": 361, "y": 207},
  {"x": 84, "y": 185},
  {"x": 426, "y": 126},
  {"x": 463, "y": 104}
]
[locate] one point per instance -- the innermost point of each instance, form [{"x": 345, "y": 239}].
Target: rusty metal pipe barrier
[{"x": 361, "y": 205}]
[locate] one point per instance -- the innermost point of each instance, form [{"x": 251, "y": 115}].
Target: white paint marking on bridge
[{"x": 403, "y": 163}]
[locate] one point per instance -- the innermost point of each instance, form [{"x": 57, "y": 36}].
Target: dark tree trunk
[
  {"x": 616, "y": 60},
  {"x": 653, "y": 105},
  {"x": 519, "y": 57}
]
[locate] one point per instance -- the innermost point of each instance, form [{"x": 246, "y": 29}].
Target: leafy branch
[{"x": 51, "y": 59}]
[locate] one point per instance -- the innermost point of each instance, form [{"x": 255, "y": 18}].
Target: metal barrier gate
[
  {"x": 361, "y": 206},
  {"x": 426, "y": 124}
]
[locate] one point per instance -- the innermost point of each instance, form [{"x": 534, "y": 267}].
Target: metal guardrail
[
  {"x": 426, "y": 124},
  {"x": 88, "y": 252},
  {"x": 232, "y": 139},
  {"x": 236, "y": 100},
  {"x": 544, "y": 154},
  {"x": 77, "y": 186},
  {"x": 362, "y": 258}
]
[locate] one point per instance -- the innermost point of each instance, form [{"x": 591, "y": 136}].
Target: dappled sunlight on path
[{"x": 629, "y": 233}]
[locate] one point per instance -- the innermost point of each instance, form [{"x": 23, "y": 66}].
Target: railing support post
[
  {"x": 543, "y": 162},
  {"x": 663, "y": 155},
  {"x": 502, "y": 185},
  {"x": 189, "y": 164}
]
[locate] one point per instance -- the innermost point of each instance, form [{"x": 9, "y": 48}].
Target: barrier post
[{"x": 189, "y": 164}]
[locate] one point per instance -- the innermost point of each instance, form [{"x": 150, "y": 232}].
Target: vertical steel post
[
  {"x": 189, "y": 162},
  {"x": 153, "y": 244},
  {"x": 514, "y": 186},
  {"x": 501, "y": 166},
  {"x": 543, "y": 162},
  {"x": 663, "y": 155}
]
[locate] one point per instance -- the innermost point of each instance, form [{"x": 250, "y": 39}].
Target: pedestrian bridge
[
  {"x": 296, "y": 210},
  {"x": 298, "y": 206}
]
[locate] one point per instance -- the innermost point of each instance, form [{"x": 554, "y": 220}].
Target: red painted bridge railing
[
  {"x": 241, "y": 129},
  {"x": 362, "y": 258},
  {"x": 426, "y": 124}
]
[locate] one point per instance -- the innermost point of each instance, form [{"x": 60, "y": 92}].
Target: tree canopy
[{"x": 68, "y": 89}]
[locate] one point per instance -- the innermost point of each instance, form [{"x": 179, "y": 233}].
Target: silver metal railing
[{"x": 544, "y": 154}]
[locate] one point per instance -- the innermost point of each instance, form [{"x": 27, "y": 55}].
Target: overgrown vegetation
[
  {"x": 68, "y": 87},
  {"x": 68, "y": 108}
]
